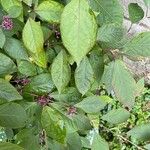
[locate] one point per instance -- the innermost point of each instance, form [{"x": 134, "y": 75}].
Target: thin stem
[
  {"x": 129, "y": 28},
  {"x": 32, "y": 94},
  {"x": 123, "y": 138},
  {"x": 126, "y": 18},
  {"x": 46, "y": 143}
]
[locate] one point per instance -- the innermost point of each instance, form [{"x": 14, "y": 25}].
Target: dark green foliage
[{"x": 63, "y": 82}]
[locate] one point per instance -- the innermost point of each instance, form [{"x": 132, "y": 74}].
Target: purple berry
[
  {"x": 72, "y": 110},
  {"x": 44, "y": 100},
  {"x": 7, "y": 23},
  {"x": 57, "y": 34},
  {"x": 25, "y": 81}
]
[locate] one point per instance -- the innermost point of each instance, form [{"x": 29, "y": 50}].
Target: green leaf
[
  {"x": 141, "y": 132},
  {"x": 74, "y": 141},
  {"x": 8, "y": 92},
  {"x": 69, "y": 95},
  {"x": 27, "y": 68},
  {"x": 28, "y": 140},
  {"x": 9, "y": 4},
  {"x": 40, "y": 59},
  {"x": 41, "y": 84},
  {"x": 50, "y": 53},
  {"x": 53, "y": 124},
  {"x": 15, "y": 49},
  {"x": 67, "y": 1},
  {"x": 2, "y": 38},
  {"x": 12, "y": 115},
  {"x": 7, "y": 66},
  {"x": 28, "y": 2},
  {"x": 78, "y": 29},
  {"x": 10, "y": 146},
  {"x": 32, "y": 109},
  {"x": 34, "y": 40},
  {"x": 98, "y": 142},
  {"x": 15, "y": 11},
  {"x": 54, "y": 145},
  {"x": 84, "y": 76},
  {"x": 136, "y": 13},
  {"x": 68, "y": 121},
  {"x": 50, "y": 11},
  {"x": 110, "y": 33},
  {"x": 106, "y": 99},
  {"x": 70, "y": 125},
  {"x": 46, "y": 33},
  {"x": 33, "y": 36},
  {"x": 17, "y": 28},
  {"x": 85, "y": 142},
  {"x": 95, "y": 120},
  {"x": 120, "y": 83},
  {"x": 116, "y": 116},
  {"x": 82, "y": 122},
  {"x": 138, "y": 46},
  {"x": 92, "y": 104},
  {"x": 97, "y": 62},
  {"x": 109, "y": 11},
  {"x": 61, "y": 71}
]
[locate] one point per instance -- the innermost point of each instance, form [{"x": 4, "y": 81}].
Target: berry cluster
[
  {"x": 44, "y": 100},
  {"x": 57, "y": 34},
  {"x": 20, "y": 83},
  {"x": 23, "y": 81},
  {"x": 7, "y": 23},
  {"x": 72, "y": 110}
]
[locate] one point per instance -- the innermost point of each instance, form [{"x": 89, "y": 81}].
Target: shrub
[{"x": 63, "y": 82}]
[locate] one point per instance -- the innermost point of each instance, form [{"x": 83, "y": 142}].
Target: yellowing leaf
[
  {"x": 53, "y": 124},
  {"x": 33, "y": 40}
]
